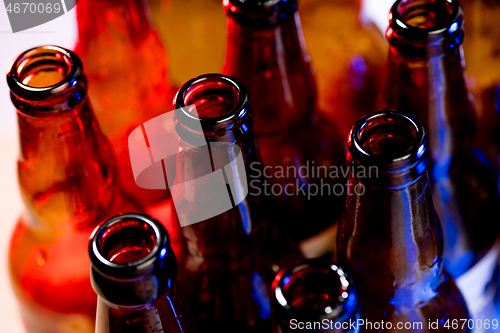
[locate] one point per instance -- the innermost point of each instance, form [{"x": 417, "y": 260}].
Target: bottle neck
[
  {"x": 168, "y": 313},
  {"x": 224, "y": 221},
  {"x": 425, "y": 73},
  {"x": 389, "y": 213},
  {"x": 134, "y": 273},
  {"x": 434, "y": 90},
  {"x": 65, "y": 168},
  {"x": 403, "y": 227},
  {"x": 274, "y": 66}
]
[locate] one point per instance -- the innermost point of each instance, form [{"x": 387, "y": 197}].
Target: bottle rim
[
  {"x": 448, "y": 31},
  {"x": 399, "y": 169},
  {"x": 230, "y": 126},
  {"x": 137, "y": 268},
  {"x": 33, "y": 57},
  {"x": 346, "y": 300}
]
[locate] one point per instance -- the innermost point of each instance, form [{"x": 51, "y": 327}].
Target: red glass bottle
[
  {"x": 425, "y": 78},
  {"x": 233, "y": 252},
  {"x": 67, "y": 175},
  {"x": 315, "y": 296},
  {"x": 266, "y": 52},
  {"x": 134, "y": 272},
  {"x": 390, "y": 237},
  {"x": 126, "y": 67}
]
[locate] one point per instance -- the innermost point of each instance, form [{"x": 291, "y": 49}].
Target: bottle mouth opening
[
  {"x": 315, "y": 289},
  {"x": 212, "y": 105},
  {"x": 393, "y": 142},
  {"x": 44, "y": 72},
  {"x": 211, "y": 98},
  {"x": 387, "y": 136},
  {"x": 426, "y": 14},
  {"x": 127, "y": 244},
  {"x": 425, "y": 20}
]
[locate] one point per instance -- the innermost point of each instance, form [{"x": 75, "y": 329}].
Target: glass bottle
[
  {"x": 126, "y": 67},
  {"x": 390, "y": 237},
  {"x": 314, "y": 296},
  {"x": 425, "y": 78},
  {"x": 233, "y": 252},
  {"x": 266, "y": 52},
  {"x": 67, "y": 175},
  {"x": 134, "y": 273}
]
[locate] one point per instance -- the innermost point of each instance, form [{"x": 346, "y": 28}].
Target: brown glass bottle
[
  {"x": 67, "y": 175},
  {"x": 314, "y": 296},
  {"x": 390, "y": 237},
  {"x": 425, "y": 78},
  {"x": 134, "y": 272},
  {"x": 233, "y": 252},
  {"x": 266, "y": 52},
  {"x": 126, "y": 67}
]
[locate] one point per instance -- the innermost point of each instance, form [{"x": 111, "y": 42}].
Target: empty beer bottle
[
  {"x": 425, "y": 78},
  {"x": 126, "y": 67},
  {"x": 266, "y": 52},
  {"x": 67, "y": 175},
  {"x": 314, "y": 296},
  {"x": 233, "y": 252},
  {"x": 134, "y": 272},
  {"x": 390, "y": 237}
]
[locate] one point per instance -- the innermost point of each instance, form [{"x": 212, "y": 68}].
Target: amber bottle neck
[
  {"x": 274, "y": 65},
  {"x": 66, "y": 134},
  {"x": 134, "y": 273},
  {"x": 434, "y": 90},
  {"x": 169, "y": 313},
  {"x": 213, "y": 120},
  {"x": 403, "y": 227},
  {"x": 273, "y": 49},
  {"x": 66, "y": 169},
  {"x": 132, "y": 260},
  {"x": 425, "y": 73},
  {"x": 65, "y": 156},
  {"x": 391, "y": 210}
]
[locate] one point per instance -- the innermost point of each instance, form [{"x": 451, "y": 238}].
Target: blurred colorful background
[{"x": 346, "y": 42}]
